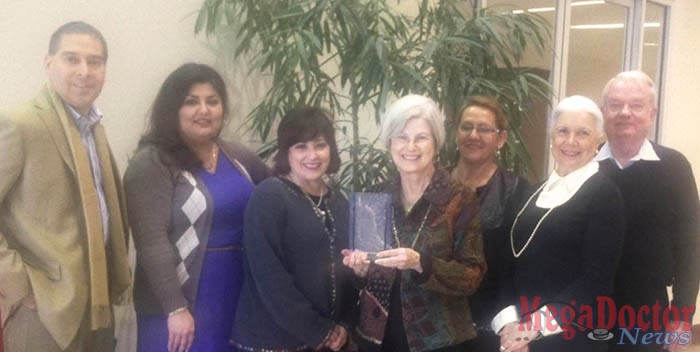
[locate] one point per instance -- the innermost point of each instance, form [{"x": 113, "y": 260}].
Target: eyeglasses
[
  {"x": 419, "y": 140},
  {"x": 480, "y": 129},
  {"x": 616, "y": 107}
]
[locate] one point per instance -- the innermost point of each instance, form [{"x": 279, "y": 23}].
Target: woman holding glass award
[
  {"x": 416, "y": 294},
  {"x": 296, "y": 295}
]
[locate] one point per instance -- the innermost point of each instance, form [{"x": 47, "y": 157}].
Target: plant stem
[{"x": 354, "y": 151}]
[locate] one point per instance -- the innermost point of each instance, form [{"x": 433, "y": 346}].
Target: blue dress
[{"x": 222, "y": 271}]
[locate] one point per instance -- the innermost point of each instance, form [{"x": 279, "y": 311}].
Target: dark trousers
[
  {"x": 486, "y": 341},
  {"x": 638, "y": 297},
  {"x": 466, "y": 346}
]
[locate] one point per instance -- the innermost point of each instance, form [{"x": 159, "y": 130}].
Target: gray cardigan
[{"x": 166, "y": 278}]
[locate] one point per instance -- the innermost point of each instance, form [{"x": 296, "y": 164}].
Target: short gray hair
[
  {"x": 576, "y": 103},
  {"x": 638, "y": 77},
  {"x": 409, "y": 107}
]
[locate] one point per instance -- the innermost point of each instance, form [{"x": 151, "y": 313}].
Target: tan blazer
[{"x": 50, "y": 220}]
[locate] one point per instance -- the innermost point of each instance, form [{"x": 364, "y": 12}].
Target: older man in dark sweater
[{"x": 662, "y": 210}]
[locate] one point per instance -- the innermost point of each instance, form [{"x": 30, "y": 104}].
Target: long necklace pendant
[
  {"x": 517, "y": 254},
  {"x": 418, "y": 233}
]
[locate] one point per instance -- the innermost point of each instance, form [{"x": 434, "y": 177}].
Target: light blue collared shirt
[
  {"x": 646, "y": 152},
  {"x": 86, "y": 126}
]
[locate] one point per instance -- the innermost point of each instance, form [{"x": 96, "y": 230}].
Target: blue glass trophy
[{"x": 370, "y": 222}]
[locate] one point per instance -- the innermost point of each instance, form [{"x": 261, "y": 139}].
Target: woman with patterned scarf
[{"x": 416, "y": 296}]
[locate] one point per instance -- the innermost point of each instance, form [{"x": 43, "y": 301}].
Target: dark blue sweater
[{"x": 286, "y": 300}]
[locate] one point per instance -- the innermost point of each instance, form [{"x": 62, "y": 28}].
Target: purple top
[{"x": 230, "y": 192}]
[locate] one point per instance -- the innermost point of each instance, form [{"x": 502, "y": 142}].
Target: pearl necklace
[
  {"x": 418, "y": 233},
  {"x": 517, "y": 254}
]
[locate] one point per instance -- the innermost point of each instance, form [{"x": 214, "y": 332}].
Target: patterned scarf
[{"x": 374, "y": 303}]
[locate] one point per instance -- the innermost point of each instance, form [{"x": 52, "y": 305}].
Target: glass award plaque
[{"x": 370, "y": 222}]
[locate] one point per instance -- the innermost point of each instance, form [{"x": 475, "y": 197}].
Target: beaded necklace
[
  {"x": 418, "y": 233},
  {"x": 517, "y": 254},
  {"x": 321, "y": 215}
]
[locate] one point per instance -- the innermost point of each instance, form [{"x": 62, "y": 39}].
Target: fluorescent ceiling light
[
  {"x": 613, "y": 26},
  {"x": 599, "y": 26},
  {"x": 587, "y": 3},
  {"x": 551, "y": 9},
  {"x": 540, "y": 9}
]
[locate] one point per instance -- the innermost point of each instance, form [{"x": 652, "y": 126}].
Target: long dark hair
[{"x": 164, "y": 123}]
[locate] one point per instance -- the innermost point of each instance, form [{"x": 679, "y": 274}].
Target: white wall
[
  {"x": 680, "y": 126},
  {"x": 681, "y": 123},
  {"x": 146, "y": 40}
]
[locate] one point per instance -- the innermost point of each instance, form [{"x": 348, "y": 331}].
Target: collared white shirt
[
  {"x": 646, "y": 152},
  {"x": 556, "y": 191},
  {"x": 86, "y": 126},
  {"x": 559, "y": 189}
]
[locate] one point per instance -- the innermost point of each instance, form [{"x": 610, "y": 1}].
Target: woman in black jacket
[
  {"x": 565, "y": 242},
  {"x": 297, "y": 295}
]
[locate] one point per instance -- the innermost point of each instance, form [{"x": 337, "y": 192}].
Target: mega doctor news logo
[{"x": 604, "y": 321}]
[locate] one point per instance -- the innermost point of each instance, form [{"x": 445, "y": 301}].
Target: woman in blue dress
[{"x": 186, "y": 192}]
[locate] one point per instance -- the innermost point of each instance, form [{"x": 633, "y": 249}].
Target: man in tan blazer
[{"x": 62, "y": 228}]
